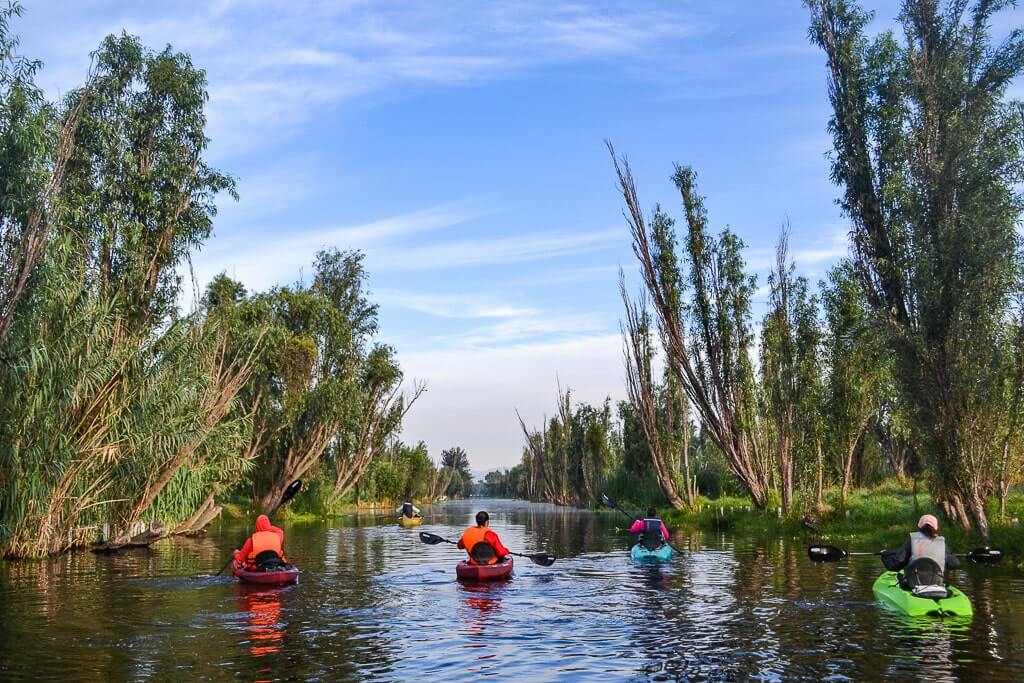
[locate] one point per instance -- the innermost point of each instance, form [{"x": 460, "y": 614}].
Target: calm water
[{"x": 375, "y": 603}]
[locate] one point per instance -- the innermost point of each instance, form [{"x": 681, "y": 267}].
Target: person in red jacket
[
  {"x": 266, "y": 538},
  {"x": 482, "y": 544}
]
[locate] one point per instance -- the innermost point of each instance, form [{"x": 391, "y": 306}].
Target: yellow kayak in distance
[{"x": 410, "y": 521}]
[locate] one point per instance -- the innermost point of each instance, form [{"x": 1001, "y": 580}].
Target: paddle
[
  {"x": 610, "y": 502},
  {"x": 830, "y": 553},
  {"x": 543, "y": 559},
  {"x": 289, "y": 493}
]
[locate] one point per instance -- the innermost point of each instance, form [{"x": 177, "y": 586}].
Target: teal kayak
[
  {"x": 887, "y": 589},
  {"x": 640, "y": 553}
]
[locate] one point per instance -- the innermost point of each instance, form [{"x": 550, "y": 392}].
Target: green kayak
[{"x": 887, "y": 589}]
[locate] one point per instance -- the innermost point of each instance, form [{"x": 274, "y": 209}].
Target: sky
[{"x": 461, "y": 146}]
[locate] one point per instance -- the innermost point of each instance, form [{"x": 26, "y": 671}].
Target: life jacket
[
  {"x": 651, "y": 536},
  {"x": 407, "y": 509},
  {"x": 265, "y": 541},
  {"x": 474, "y": 535},
  {"x": 932, "y": 548}
]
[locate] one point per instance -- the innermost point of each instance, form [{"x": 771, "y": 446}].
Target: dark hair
[
  {"x": 929, "y": 531},
  {"x": 481, "y": 518},
  {"x": 651, "y": 512}
]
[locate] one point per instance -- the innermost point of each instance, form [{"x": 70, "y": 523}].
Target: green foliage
[
  {"x": 928, "y": 155},
  {"x": 457, "y": 461}
]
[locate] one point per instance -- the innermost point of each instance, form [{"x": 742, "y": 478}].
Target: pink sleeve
[
  {"x": 637, "y": 527},
  {"x": 664, "y": 531}
]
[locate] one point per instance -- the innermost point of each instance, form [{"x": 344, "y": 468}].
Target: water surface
[{"x": 375, "y": 603}]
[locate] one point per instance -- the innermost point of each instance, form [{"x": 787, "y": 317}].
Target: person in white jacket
[{"x": 407, "y": 509}]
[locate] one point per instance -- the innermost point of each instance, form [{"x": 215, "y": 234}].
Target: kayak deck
[
  {"x": 887, "y": 589},
  {"x": 410, "y": 521},
  {"x": 281, "y": 577},
  {"x": 640, "y": 553},
  {"x": 484, "y": 572}
]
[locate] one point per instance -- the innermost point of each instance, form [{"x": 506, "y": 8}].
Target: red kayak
[
  {"x": 484, "y": 572},
  {"x": 282, "y": 577}
]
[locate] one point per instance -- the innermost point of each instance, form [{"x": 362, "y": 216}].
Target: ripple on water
[{"x": 375, "y": 603}]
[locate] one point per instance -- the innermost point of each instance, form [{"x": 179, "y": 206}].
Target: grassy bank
[{"x": 871, "y": 519}]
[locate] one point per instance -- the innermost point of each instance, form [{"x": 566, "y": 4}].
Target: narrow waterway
[{"x": 375, "y": 603}]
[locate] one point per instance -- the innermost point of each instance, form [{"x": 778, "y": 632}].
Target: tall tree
[
  {"x": 707, "y": 343},
  {"x": 789, "y": 364},
  {"x": 928, "y": 157},
  {"x": 857, "y": 368},
  {"x": 656, "y": 409},
  {"x": 457, "y": 461}
]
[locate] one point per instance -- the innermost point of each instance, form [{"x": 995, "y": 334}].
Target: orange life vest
[
  {"x": 474, "y": 535},
  {"x": 263, "y": 541}
]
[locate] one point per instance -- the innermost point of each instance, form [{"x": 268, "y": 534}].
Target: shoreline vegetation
[
  {"x": 905, "y": 362},
  {"x": 127, "y": 420}
]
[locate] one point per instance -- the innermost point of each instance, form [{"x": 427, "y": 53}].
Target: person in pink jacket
[{"x": 653, "y": 533}]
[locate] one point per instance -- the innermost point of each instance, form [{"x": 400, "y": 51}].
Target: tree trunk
[{"x": 820, "y": 497}]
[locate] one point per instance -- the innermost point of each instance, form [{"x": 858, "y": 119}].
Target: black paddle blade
[
  {"x": 543, "y": 559},
  {"x": 985, "y": 555},
  {"x": 825, "y": 553},
  {"x": 430, "y": 539},
  {"x": 290, "y": 492},
  {"x": 608, "y": 500}
]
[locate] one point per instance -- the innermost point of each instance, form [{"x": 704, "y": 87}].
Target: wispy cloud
[
  {"x": 451, "y": 305},
  {"x": 273, "y": 65},
  {"x": 263, "y": 260},
  {"x": 502, "y": 250}
]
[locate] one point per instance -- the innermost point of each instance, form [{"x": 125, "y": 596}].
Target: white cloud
[
  {"x": 450, "y": 413},
  {"x": 263, "y": 260}
]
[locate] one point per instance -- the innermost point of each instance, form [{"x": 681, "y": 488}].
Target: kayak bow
[{"x": 887, "y": 589}]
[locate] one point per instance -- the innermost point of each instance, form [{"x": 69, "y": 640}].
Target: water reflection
[
  {"x": 265, "y": 630},
  {"x": 375, "y": 603}
]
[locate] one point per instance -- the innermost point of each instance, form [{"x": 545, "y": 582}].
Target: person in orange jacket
[
  {"x": 266, "y": 538},
  {"x": 474, "y": 536}
]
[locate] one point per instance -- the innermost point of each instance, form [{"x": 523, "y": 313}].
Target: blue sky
[{"x": 460, "y": 146}]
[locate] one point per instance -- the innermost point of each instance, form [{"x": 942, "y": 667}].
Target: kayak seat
[
  {"x": 651, "y": 543},
  {"x": 482, "y": 553},
  {"x": 269, "y": 561},
  {"x": 930, "y": 592},
  {"x": 923, "y": 575}
]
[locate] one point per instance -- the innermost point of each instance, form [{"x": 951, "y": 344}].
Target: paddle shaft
[
  {"x": 532, "y": 558},
  {"x": 272, "y": 511},
  {"x": 637, "y": 519}
]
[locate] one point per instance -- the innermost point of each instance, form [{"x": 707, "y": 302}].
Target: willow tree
[
  {"x": 707, "y": 342},
  {"x": 790, "y": 367},
  {"x": 324, "y": 390},
  {"x": 113, "y": 393},
  {"x": 928, "y": 157}
]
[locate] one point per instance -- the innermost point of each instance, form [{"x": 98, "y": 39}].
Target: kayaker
[
  {"x": 923, "y": 555},
  {"x": 409, "y": 510},
  {"x": 476, "y": 539},
  {"x": 652, "y": 530},
  {"x": 262, "y": 547}
]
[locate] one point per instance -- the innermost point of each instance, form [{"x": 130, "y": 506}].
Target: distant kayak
[
  {"x": 410, "y": 521},
  {"x": 640, "y": 553},
  {"x": 887, "y": 589},
  {"x": 282, "y": 577},
  {"x": 484, "y": 572}
]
